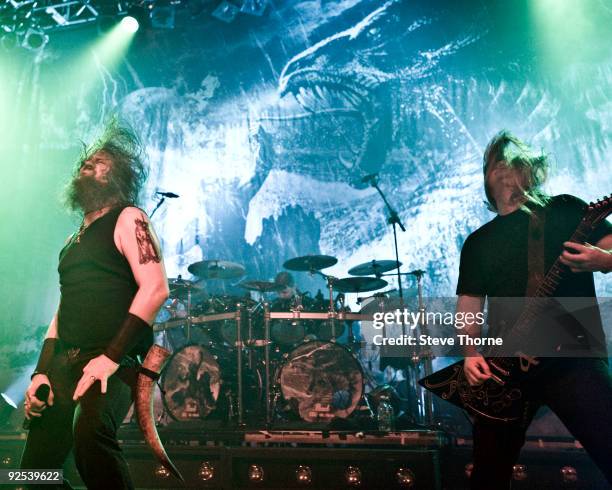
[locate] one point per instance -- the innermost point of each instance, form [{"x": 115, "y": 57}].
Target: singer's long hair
[
  {"x": 506, "y": 148},
  {"x": 129, "y": 171}
]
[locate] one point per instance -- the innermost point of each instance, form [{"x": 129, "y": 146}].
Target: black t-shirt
[{"x": 494, "y": 258}]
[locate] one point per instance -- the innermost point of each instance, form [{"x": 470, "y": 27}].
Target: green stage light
[{"x": 129, "y": 24}]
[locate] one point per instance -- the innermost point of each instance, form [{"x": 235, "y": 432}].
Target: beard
[{"x": 86, "y": 194}]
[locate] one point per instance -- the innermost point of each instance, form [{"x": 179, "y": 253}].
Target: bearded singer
[{"x": 112, "y": 283}]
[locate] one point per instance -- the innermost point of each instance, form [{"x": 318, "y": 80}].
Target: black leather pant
[
  {"x": 579, "y": 392},
  {"x": 89, "y": 427}
]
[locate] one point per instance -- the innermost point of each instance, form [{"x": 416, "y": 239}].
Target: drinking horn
[{"x": 143, "y": 404}]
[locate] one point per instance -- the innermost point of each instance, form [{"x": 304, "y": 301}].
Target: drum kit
[{"x": 265, "y": 356}]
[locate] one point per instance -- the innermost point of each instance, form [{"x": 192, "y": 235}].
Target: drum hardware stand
[
  {"x": 267, "y": 362},
  {"x": 239, "y": 346},
  {"x": 332, "y": 306},
  {"x": 426, "y": 356}
]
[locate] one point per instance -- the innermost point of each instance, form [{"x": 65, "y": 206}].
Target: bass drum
[
  {"x": 191, "y": 383},
  {"x": 197, "y": 385},
  {"x": 320, "y": 381}
]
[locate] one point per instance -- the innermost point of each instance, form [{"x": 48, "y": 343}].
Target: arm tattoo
[{"x": 147, "y": 250}]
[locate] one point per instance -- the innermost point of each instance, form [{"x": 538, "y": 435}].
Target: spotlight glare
[
  {"x": 161, "y": 471},
  {"x": 256, "y": 473},
  {"x": 519, "y": 472},
  {"x": 569, "y": 475},
  {"x": 207, "y": 471},
  {"x": 129, "y": 24},
  {"x": 353, "y": 476},
  {"x": 405, "y": 477},
  {"x": 303, "y": 474}
]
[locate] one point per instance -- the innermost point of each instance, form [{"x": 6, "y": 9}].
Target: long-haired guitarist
[{"x": 495, "y": 263}]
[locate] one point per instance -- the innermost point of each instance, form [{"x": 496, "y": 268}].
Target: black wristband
[
  {"x": 45, "y": 359},
  {"x": 129, "y": 335}
]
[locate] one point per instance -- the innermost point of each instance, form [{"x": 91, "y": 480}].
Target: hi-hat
[
  {"x": 374, "y": 267},
  {"x": 310, "y": 263},
  {"x": 261, "y": 286},
  {"x": 359, "y": 284},
  {"x": 216, "y": 269}
]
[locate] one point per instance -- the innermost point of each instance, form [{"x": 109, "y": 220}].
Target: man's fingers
[
  {"x": 484, "y": 367},
  {"x": 574, "y": 246},
  {"x": 84, "y": 384},
  {"x": 103, "y": 382},
  {"x": 473, "y": 376},
  {"x": 50, "y": 398}
]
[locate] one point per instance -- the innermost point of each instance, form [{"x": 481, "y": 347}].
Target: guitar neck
[{"x": 535, "y": 305}]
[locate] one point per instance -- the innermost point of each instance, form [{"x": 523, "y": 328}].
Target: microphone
[
  {"x": 171, "y": 195},
  {"x": 369, "y": 178},
  {"x": 42, "y": 393}
]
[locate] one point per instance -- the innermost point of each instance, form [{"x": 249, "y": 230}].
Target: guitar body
[{"x": 500, "y": 400}]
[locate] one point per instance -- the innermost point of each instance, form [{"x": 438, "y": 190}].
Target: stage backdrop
[{"x": 266, "y": 125}]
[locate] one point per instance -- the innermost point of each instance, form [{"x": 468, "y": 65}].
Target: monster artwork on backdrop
[{"x": 407, "y": 110}]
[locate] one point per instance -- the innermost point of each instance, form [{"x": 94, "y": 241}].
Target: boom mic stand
[
  {"x": 395, "y": 221},
  {"x": 425, "y": 359}
]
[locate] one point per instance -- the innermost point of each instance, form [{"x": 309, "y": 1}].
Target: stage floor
[{"x": 327, "y": 460}]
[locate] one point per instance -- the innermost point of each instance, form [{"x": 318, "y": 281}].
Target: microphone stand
[
  {"x": 395, "y": 221},
  {"x": 161, "y": 201}
]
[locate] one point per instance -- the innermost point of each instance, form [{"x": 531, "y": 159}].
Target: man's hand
[
  {"x": 476, "y": 370},
  {"x": 34, "y": 406},
  {"x": 99, "y": 368},
  {"x": 585, "y": 258}
]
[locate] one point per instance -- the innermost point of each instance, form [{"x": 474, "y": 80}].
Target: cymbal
[
  {"x": 374, "y": 267},
  {"x": 179, "y": 288},
  {"x": 216, "y": 269},
  {"x": 261, "y": 286},
  {"x": 359, "y": 284},
  {"x": 310, "y": 262}
]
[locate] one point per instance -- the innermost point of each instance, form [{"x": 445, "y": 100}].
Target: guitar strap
[{"x": 535, "y": 251}]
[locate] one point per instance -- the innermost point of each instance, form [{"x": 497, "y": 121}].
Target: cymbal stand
[{"x": 332, "y": 307}]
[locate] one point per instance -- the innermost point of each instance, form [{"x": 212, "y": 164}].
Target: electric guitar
[{"x": 501, "y": 398}]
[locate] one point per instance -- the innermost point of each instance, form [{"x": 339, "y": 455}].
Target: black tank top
[{"x": 97, "y": 286}]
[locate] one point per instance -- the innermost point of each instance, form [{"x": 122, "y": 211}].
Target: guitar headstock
[{"x": 599, "y": 210}]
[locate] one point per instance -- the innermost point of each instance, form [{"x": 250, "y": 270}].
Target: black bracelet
[
  {"x": 45, "y": 359},
  {"x": 131, "y": 332}
]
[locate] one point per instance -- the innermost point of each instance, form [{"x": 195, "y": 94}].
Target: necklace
[
  {"x": 79, "y": 234},
  {"x": 98, "y": 213}
]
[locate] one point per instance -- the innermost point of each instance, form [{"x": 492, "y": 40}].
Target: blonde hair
[{"x": 506, "y": 148}]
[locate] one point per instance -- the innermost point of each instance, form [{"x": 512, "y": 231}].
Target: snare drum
[{"x": 320, "y": 381}]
